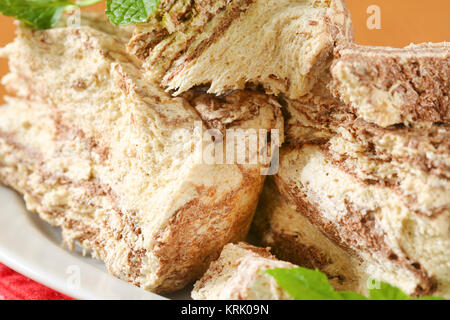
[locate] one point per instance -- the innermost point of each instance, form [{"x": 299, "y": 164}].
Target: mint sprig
[
  {"x": 45, "y": 14},
  {"x": 306, "y": 284},
  {"x": 126, "y": 12},
  {"x": 41, "y": 14}
]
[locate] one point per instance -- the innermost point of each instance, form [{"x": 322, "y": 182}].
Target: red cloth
[{"x": 14, "y": 286}]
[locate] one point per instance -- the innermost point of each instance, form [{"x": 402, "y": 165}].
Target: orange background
[{"x": 402, "y": 22}]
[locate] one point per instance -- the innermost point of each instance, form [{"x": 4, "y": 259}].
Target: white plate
[{"x": 32, "y": 247}]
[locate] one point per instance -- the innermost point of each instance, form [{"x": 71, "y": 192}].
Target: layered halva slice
[
  {"x": 283, "y": 45},
  {"x": 359, "y": 198},
  {"x": 392, "y": 217},
  {"x": 113, "y": 160},
  {"x": 292, "y": 236},
  {"x": 388, "y": 86},
  {"x": 315, "y": 117},
  {"x": 238, "y": 274},
  {"x": 359, "y": 201}
]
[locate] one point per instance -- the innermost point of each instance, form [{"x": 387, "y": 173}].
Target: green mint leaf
[
  {"x": 349, "y": 295},
  {"x": 41, "y": 14},
  {"x": 430, "y": 298},
  {"x": 125, "y": 12},
  {"x": 387, "y": 292},
  {"x": 306, "y": 284}
]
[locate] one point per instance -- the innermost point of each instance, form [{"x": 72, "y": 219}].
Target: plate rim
[{"x": 12, "y": 207}]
